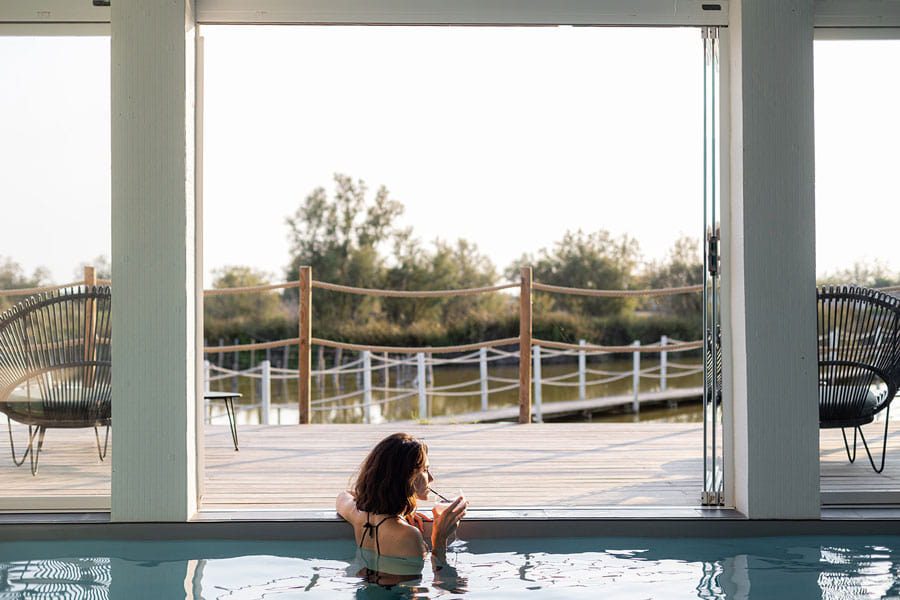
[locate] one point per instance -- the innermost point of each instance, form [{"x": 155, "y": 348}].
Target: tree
[
  {"x": 592, "y": 261},
  {"x": 259, "y": 315},
  {"x": 683, "y": 267},
  {"x": 872, "y": 275},
  {"x": 447, "y": 266},
  {"x": 102, "y": 267},
  {"x": 342, "y": 238},
  {"x": 12, "y": 277}
]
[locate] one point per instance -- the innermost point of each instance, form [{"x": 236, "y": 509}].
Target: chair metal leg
[
  {"x": 887, "y": 420},
  {"x": 36, "y": 454},
  {"x": 102, "y": 452},
  {"x": 229, "y": 408},
  {"x": 32, "y": 432},
  {"x": 852, "y": 457}
]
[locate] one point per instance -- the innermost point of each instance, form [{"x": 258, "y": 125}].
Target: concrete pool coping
[{"x": 506, "y": 523}]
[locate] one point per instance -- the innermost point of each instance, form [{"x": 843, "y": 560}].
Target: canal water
[{"x": 391, "y": 404}]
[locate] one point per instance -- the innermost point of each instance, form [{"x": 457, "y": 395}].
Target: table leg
[{"x": 229, "y": 408}]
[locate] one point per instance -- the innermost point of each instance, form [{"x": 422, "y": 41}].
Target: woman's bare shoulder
[{"x": 409, "y": 541}]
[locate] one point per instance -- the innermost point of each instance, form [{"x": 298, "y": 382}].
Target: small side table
[{"x": 228, "y": 398}]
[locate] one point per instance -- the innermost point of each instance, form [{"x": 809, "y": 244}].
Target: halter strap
[{"x": 372, "y": 530}]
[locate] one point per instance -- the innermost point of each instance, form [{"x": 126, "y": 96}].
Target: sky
[{"x": 507, "y": 137}]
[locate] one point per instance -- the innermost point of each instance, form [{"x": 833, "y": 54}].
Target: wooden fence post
[
  {"x": 304, "y": 358},
  {"x": 525, "y": 346}
]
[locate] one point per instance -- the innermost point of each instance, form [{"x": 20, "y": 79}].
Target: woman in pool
[{"x": 382, "y": 504}]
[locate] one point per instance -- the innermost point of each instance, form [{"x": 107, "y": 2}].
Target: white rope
[
  {"x": 340, "y": 369},
  {"x": 590, "y": 383},
  {"x": 230, "y": 371},
  {"x": 560, "y": 377},
  {"x": 504, "y": 353},
  {"x": 603, "y": 371},
  {"x": 457, "y": 385},
  {"x": 678, "y": 365},
  {"x": 551, "y": 352},
  {"x": 282, "y": 370},
  {"x": 468, "y": 358},
  {"x": 362, "y": 405},
  {"x": 500, "y": 356},
  {"x": 393, "y": 361},
  {"x": 685, "y": 373},
  {"x": 472, "y": 392}
]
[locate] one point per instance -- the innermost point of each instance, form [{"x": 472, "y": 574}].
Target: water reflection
[
  {"x": 77, "y": 578},
  {"x": 458, "y": 400},
  {"x": 796, "y": 568}
]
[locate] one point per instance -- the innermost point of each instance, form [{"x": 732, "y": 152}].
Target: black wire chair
[
  {"x": 56, "y": 366},
  {"x": 859, "y": 361}
]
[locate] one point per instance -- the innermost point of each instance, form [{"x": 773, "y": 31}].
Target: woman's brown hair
[{"x": 385, "y": 483}]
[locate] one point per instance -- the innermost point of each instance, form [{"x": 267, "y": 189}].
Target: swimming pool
[{"x": 833, "y": 567}]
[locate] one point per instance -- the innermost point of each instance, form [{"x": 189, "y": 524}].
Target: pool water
[{"x": 565, "y": 568}]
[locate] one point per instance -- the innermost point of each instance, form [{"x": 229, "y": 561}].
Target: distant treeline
[{"x": 351, "y": 237}]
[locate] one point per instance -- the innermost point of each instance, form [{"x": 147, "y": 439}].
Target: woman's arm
[{"x": 346, "y": 506}]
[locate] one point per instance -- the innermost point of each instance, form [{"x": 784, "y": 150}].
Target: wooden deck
[{"x": 497, "y": 465}]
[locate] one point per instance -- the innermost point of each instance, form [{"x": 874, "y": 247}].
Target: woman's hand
[
  {"x": 418, "y": 520},
  {"x": 446, "y": 520}
]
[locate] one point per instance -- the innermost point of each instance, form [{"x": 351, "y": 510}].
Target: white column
[
  {"x": 663, "y": 363},
  {"x": 266, "y": 390},
  {"x": 536, "y": 370},
  {"x": 769, "y": 277},
  {"x": 636, "y": 377},
  {"x": 156, "y": 382},
  {"x": 483, "y": 377},
  {"x": 582, "y": 369},
  {"x": 420, "y": 384},
  {"x": 367, "y": 386}
]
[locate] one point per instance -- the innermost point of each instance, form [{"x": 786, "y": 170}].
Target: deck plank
[{"x": 498, "y": 465}]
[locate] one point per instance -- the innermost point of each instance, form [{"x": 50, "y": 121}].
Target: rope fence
[
  {"x": 529, "y": 355},
  {"x": 420, "y": 379}
]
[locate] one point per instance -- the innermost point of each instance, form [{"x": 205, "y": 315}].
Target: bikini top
[{"x": 372, "y": 530}]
